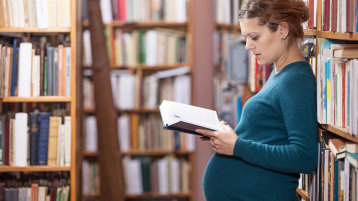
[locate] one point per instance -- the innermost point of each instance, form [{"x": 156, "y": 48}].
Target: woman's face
[{"x": 265, "y": 45}]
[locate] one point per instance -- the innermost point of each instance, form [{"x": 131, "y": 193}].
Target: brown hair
[{"x": 273, "y": 12}]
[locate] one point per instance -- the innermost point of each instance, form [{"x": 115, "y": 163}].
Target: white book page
[{"x": 190, "y": 114}]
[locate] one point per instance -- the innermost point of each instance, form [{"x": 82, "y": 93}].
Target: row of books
[
  {"x": 305, "y": 182},
  {"x": 35, "y": 139},
  {"x": 147, "y": 47},
  {"x": 34, "y": 193},
  {"x": 337, "y": 85},
  {"x": 339, "y": 16},
  {"x": 130, "y": 11},
  {"x": 226, "y": 11},
  {"x": 29, "y": 70},
  {"x": 35, "y": 13},
  {"x": 171, "y": 84},
  {"x": 166, "y": 175},
  {"x": 140, "y": 133},
  {"x": 90, "y": 178},
  {"x": 312, "y": 21},
  {"x": 336, "y": 175},
  {"x": 228, "y": 100}
]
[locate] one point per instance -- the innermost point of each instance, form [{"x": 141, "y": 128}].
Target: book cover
[{"x": 186, "y": 118}]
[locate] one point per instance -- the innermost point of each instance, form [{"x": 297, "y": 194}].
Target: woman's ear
[{"x": 284, "y": 30}]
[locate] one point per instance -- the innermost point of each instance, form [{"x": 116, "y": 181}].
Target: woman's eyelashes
[{"x": 255, "y": 38}]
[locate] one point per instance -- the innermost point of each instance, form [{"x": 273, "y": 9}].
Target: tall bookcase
[
  {"x": 27, "y": 33},
  {"x": 343, "y": 133},
  {"x": 117, "y": 28}
]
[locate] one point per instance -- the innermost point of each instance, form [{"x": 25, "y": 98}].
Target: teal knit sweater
[{"x": 277, "y": 140}]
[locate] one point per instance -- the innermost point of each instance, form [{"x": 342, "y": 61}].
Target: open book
[{"x": 186, "y": 118}]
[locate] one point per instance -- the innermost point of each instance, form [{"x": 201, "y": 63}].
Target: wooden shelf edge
[
  {"x": 337, "y": 35},
  {"x": 144, "y": 195},
  {"x": 120, "y": 24},
  {"x": 157, "y": 195},
  {"x": 310, "y": 32},
  {"x": 36, "y": 99},
  {"x": 140, "y": 153},
  {"x": 140, "y": 110},
  {"x": 91, "y": 196},
  {"x": 34, "y": 30},
  {"x": 303, "y": 194},
  {"x": 143, "y": 67},
  {"x": 339, "y": 131},
  {"x": 155, "y": 153},
  {"x": 34, "y": 169},
  {"x": 227, "y": 26}
]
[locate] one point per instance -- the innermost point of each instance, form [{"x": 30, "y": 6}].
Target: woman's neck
[{"x": 293, "y": 54}]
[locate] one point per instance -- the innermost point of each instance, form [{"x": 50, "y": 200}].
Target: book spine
[
  {"x": 44, "y": 119},
  {"x": 34, "y": 138},
  {"x": 14, "y": 69}
]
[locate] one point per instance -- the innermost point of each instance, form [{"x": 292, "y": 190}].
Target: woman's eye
[{"x": 255, "y": 38}]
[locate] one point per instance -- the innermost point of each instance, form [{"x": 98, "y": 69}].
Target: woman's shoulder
[
  {"x": 299, "y": 77},
  {"x": 299, "y": 71}
]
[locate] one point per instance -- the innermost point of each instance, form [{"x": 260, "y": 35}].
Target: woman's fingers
[{"x": 207, "y": 133}]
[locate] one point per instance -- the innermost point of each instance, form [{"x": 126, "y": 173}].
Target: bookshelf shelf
[
  {"x": 310, "y": 32},
  {"x": 227, "y": 26},
  {"x": 34, "y": 169},
  {"x": 140, "y": 153},
  {"x": 143, "y": 67},
  {"x": 89, "y": 154},
  {"x": 120, "y": 24},
  {"x": 338, "y": 36},
  {"x": 157, "y": 195},
  {"x": 37, "y": 99},
  {"x": 155, "y": 153},
  {"x": 339, "y": 131},
  {"x": 92, "y": 110},
  {"x": 34, "y": 30},
  {"x": 148, "y": 24},
  {"x": 303, "y": 194},
  {"x": 94, "y": 196}
]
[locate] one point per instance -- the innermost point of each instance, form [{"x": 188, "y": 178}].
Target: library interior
[{"x": 156, "y": 100}]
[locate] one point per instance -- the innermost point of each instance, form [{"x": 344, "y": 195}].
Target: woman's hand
[{"x": 223, "y": 142}]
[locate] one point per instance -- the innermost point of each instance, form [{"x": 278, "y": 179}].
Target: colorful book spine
[{"x": 44, "y": 121}]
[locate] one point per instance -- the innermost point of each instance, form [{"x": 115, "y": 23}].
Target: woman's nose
[{"x": 249, "y": 45}]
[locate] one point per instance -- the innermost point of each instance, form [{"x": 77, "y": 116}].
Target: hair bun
[{"x": 302, "y": 9}]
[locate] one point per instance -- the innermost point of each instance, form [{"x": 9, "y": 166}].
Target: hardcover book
[{"x": 187, "y": 118}]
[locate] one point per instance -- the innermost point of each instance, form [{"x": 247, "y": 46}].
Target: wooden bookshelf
[
  {"x": 35, "y": 169},
  {"x": 303, "y": 194},
  {"x": 141, "y": 110},
  {"x": 88, "y": 154},
  {"x": 140, "y": 153},
  {"x": 94, "y": 196},
  {"x": 154, "y": 153},
  {"x": 310, "y": 32},
  {"x": 71, "y": 31},
  {"x": 119, "y": 24},
  {"x": 148, "y": 24},
  {"x": 157, "y": 195},
  {"x": 140, "y": 71},
  {"x": 338, "y": 36},
  {"x": 34, "y": 30},
  {"x": 339, "y": 131},
  {"x": 227, "y": 26},
  {"x": 143, "y": 67},
  {"x": 37, "y": 99}
]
